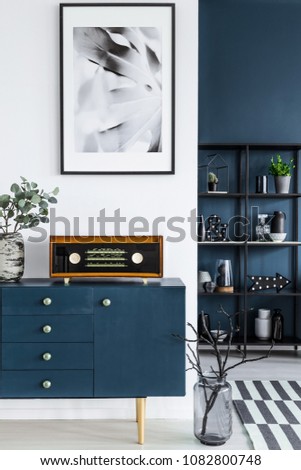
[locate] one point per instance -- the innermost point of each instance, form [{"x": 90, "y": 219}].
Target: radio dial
[
  {"x": 137, "y": 258},
  {"x": 74, "y": 258}
]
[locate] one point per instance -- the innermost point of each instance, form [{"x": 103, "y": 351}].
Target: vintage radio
[{"x": 106, "y": 256}]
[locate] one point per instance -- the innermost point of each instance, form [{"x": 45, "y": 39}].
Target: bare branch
[
  {"x": 193, "y": 328},
  {"x": 244, "y": 361},
  {"x": 220, "y": 355}
]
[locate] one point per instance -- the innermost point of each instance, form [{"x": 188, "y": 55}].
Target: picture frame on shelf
[{"x": 117, "y": 88}]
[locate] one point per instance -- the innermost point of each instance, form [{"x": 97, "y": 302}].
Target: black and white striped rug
[{"x": 270, "y": 412}]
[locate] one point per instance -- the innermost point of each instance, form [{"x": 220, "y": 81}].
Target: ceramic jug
[{"x": 277, "y": 224}]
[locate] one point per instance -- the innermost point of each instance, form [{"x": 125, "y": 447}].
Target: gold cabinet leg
[
  {"x": 140, "y": 416},
  {"x": 137, "y": 399}
]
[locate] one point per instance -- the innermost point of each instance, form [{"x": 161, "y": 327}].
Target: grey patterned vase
[{"x": 11, "y": 257}]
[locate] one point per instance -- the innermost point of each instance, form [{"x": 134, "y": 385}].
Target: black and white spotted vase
[{"x": 11, "y": 257}]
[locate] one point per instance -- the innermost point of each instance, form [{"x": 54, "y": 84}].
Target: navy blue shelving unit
[
  {"x": 239, "y": 207},
  {"x": 249, "y": 109}
]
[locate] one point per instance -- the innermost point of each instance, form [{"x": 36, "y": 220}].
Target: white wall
[{"x": 29, "y": 146}]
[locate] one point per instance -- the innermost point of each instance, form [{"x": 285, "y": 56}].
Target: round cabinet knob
[
  {"x": 46, "y": 384},
  {"x": 137, "y": 258},
  {"x": 47, "y": 301},
  {"x": 106, "y": 302},
  {"x": 47, "y": 356},
  {"x": 47, "y": 329}
]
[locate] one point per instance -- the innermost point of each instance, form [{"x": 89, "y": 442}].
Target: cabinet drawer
[
  {"x": 47, "y": 328},
  {"x": 40, "y": 300},
  {"x": 61, "y": 384},
  {"x": 31, "y": 356}
]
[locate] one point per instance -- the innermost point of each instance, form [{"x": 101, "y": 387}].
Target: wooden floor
[{"x": 159, "y": 433}]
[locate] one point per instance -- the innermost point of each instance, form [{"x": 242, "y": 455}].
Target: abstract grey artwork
[
  {"x": 118, "y": 98},
  {"x": 117, "y": 88}
]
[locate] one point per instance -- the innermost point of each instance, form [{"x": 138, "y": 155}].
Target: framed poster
[{"x": 117, "y": 88}]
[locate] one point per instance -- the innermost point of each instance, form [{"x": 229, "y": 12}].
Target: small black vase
[
  {"x": 277, "y": 223},
  {"x": 277, "y": 325},
  {"x": 201, "y": 229}
]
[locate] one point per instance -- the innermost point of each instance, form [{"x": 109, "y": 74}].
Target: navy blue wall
[{"x": 250, "y": 71}]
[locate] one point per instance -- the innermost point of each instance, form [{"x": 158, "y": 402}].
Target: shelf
[
  {"x": 253, "y": 341},
  {"x": 262, "y": 293},
  {"x": 287, "y": 341},
  {"x": 217, "y": 194},
  {"x": 229, "y": 146},
  {"x": 275, "y": 244},
  {"x": 221, "y": 243},
  {"x": 274, "y": 195},
  {"x": 257, "y": 244},
  {"x": 221, "y": 194},
  {"x": 254, "y": 146},
  {"x": 236, "y": 341},
  {"x": 285, "y": 292},
  {"x": 219, "y": 294}
]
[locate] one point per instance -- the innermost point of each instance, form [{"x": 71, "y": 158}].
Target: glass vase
[
  {"x": 212, "y": 410},
  {"x": 223, "y": 276}
]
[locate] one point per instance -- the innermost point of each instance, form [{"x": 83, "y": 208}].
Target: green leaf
[
  {"x": 27, "y": 207},
  {"x": 4, "y": 201},
  {"x": 45, "y": 220},
  {"x": 34, "y": 185},
  {"x": 21, "y": 203},
  {"x": 23, "y": 179},
  {"x": 35, "y": 199},
  {"x": 15, "y": 188},
  {"x": 10, "y": 214},
  {"x": 5, "y": 198},
  {"x": 34, "y": 222},
  {"x": 43, "y": 204},
  {"x": 43, "y": 212},
  {"x": 52, "y": 200},
  {"x": 55, "y": 191},
  {"x": 19, "y": 218},
  {"x": 19, "y": 195},
  {"x": 26, "y": 219}
]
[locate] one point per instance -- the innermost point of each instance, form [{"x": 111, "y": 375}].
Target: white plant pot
[{"x": 11, "y": 257}]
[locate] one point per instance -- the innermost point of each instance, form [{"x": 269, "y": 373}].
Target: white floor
[{"x": 160, "y": 433}]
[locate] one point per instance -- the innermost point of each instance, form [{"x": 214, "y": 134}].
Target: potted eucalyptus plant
[
  {"x": 282, "y": 172},
  {"x": 26, "y": 207}
]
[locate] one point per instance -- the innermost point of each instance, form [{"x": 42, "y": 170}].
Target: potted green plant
[
  {"x": 212, "y": 181},
  {"x": 282, "y": 172},
  {"x": 26, "y": 207}
]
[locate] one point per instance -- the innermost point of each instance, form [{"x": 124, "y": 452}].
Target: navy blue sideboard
[{"x": 94, "y": 339}]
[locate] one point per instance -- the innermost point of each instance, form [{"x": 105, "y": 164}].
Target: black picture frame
[{"x": 117, "y": 88}]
